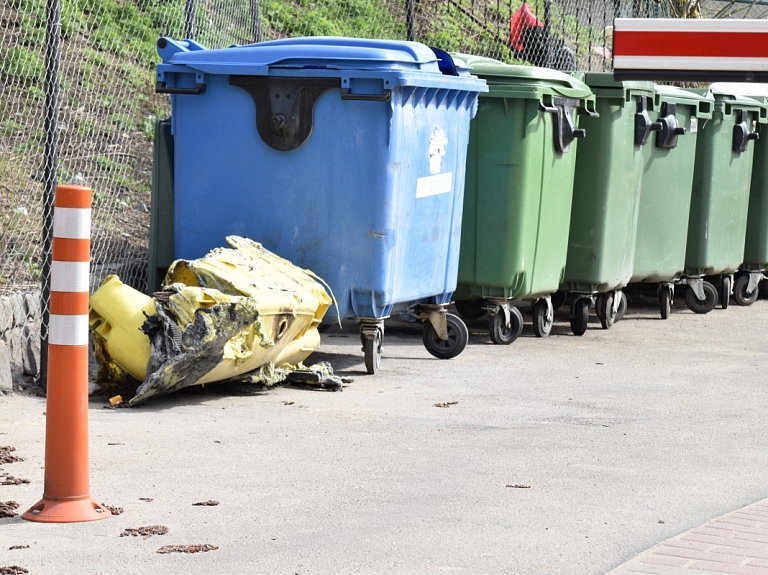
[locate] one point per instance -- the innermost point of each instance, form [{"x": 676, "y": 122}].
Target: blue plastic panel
[{"x": 371, "y": 201}]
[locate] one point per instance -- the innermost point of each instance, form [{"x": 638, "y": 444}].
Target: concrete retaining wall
[{"x": 19, "y": 338}]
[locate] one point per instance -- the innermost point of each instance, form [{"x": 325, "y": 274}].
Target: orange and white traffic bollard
[{"x": 66, "y": 494}]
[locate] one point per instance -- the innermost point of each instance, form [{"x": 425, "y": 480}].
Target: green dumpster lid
[
  {"x": 603, "y": 84},
  {"x": 702, "y": 101},
  {"x": 738, "y": 90},
  {"x": 505, "y": 77},
  {"x": 737, "y": 93}
]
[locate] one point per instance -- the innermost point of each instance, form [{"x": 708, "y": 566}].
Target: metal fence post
[
  {"x": 189, "y": 19},
  {"x": 50, "y": 163},
  {"x": 256, "y": 29},
  {"x": 409, "y": 19},
  {"x": 547, "y": 31}
]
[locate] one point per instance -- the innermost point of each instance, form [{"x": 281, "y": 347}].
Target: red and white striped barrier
[
  {"x": 66, "y": 494},
  {"x": 696, "y": 49}
]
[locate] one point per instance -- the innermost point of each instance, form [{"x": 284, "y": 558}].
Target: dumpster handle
[
  {"x": 565, "y": 132},
  {"x": 589, "y": 113},
  {"x": 670, "y": 129},
  {"x": 161, "y": 88},
  {"x": 548, "y": 109},
  {"x": 386, "y": 96},
  {"x": 643, "y": 124},
  {"x": 741, "y": 132}
]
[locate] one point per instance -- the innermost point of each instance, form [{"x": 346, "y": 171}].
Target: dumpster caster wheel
[
  {"x": 458, "y": 336},
  {"x": 740, "y": 294},
  {"x": 558, "y": 299},
  {"x": 762, "y": 289},
  {"x": 702, "y": 306},
  {"x": 580, "y": 315},
  {"x": 470, "y": 308},
  {"x": 324, "y": 327},
  {"x": 606, "y": 314},
  {"x": 725, "y": 292},
  {"x": 622, "y": 307},
  {"x": 542, "y": 318},
  {"x": 665, "y": 302},
  {"x": 372, "y": 350},
  {"x": 497, "y": 328}
]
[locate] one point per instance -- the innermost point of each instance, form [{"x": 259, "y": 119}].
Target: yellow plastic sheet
[{"x": 236, "y": 311}]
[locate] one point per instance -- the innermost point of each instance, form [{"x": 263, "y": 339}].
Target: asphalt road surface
[{"x": 566, "y": 455}]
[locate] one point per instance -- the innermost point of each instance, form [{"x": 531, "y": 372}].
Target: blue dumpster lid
[
  {"x": 504, "y": 77},
  {"x": 316, "y": 52}
]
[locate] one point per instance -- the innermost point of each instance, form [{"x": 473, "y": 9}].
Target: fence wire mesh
[{"x": 101, "y": 116}]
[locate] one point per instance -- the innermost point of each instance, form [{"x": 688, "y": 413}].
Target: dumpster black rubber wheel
[
  {"x": 324, "y": 327},
  {"x": 471, "y": 308},
  {"x": 558, "y": 299},
  {"x": 542, "y": 318},
  {"x": 622, "y": 306},
  {"x": 458, "y": 336},
  {"x": 698, "y": 306},
  {"x": 372, "y": 350},
  {"x": 725, "y": 292},
  {"x": 762, "y": 289},
  {"x": 740, "y": 294},
  {"x": 606, "y": 314},
  {"x": 665, "y": 301},
  {"x": 599, "y": 306},
  {"x": 580, "y": 315},
  {"x": 497, "y": 327}
]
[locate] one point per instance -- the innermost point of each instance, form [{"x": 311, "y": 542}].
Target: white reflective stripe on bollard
[
  {"x": 72, "y": 223},
  {"x": 70, "y": 276},
  {"x": 68, "y": 330}
]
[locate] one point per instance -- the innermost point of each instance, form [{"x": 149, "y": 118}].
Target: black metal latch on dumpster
[
  {"x": 741, "y": 133},
  {"x": 670, "y": 130},
  {"x": 565, "y": 131},
  {"x": 643, "y": 124},
  {"x": 285, "y": 107}
]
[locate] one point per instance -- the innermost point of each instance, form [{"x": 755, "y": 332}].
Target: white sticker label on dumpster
[
  {"x": 434, "y": 185},
  {"x": 694, "y": 125},
  {"x": 437, "y": 143}
]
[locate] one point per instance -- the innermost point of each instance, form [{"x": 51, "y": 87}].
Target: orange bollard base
[{"x": 69, "y": 510}]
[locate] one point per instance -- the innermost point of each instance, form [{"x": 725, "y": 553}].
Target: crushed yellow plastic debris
[
  {"x": 115, "y": 400},
  {"x": 116, "y": 314},
  {"x": 235, "y": 311}
]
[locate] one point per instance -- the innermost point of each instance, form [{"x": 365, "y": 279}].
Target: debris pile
[{"x": 239, "y": 313}]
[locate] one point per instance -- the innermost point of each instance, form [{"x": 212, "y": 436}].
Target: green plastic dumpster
[
  {"x": 518, "y": 190},
  {"x": 751, "y": 272},
  {"x": 665, "y": 197},
  {"x": 720, "y": 198},
  {"x": 606, "y": 194},
  {"x": 160, "y": 255}
]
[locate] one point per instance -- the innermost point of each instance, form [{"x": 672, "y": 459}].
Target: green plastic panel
[
  {"x": 665, "y": 197},
  {"x": 721, "y": 188},
  {"x": 606, "y": 193},
  {"x": 161, "y": 213},
  {"x": 756, "y": 240},
  {"x": 517, "y": 198}
]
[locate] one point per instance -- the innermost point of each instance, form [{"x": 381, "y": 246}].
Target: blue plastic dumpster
[{"x": 345, "y": 156}]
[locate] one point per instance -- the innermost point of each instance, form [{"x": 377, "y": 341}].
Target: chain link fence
[{"x": 77, "y": 100}]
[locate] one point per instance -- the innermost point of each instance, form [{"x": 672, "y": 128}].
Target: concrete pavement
[{"x": 567, "y": 455}]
